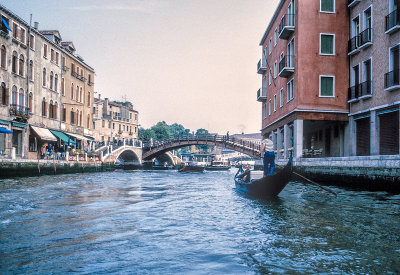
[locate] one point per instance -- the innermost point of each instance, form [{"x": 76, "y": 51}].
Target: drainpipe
[{"x": 28, "y": 61}]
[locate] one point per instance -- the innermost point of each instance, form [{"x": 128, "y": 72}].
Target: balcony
[
  {"x": 65, "y": 68},
  {"x": 392, "y": 80},
  {"x": 90, "y": 83},
  {"x": 286, "y": 66},
  {"x": 21, "y": 113},
  {"x": 365, "y": 38},
  {"x": 262, "y": 66},
  {"x": 362, "y": 90},
  {"x": 352, "y": 3},
  {"x": 392, "y": 23},
  {"x": 286, "y": 27},
  {"x": 353, "y": 45},
  {"x": 76, "y": 75},
  {"x": 262, "y": 94}
]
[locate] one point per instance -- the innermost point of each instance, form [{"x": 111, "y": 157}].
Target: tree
[
  {"x": 146, "y": 134},
  {"x": 161, "y": 130},
  {"x": 203, "y": 148},
  {"x": 177, "y": 130}
]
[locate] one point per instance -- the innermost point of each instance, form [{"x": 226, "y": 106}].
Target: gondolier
[{"x": 269, "y": 156}]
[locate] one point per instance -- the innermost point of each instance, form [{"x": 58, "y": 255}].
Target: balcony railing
[
  {"x": 18, "y": 110},
  {"x": 65, "y": 68},
  {"x": 392, "y": 21},
  {"x": 106, "y": 116},
  {"x": 286, "y": 66},
  {"x": 392, "y": 80},
  {"x": 90, "y": 83},
  {"x": 76, "y": 75},
  {"x": 261, "y": 94},
  {"x": 365, "y": 37},
  {"x": 354, "y": 44},
  {"x": 352, "y": 3},
  {"x": 262, "y": 66},
  {"x": 286, "y": 27},
  {"x": 360, "y": 90}
]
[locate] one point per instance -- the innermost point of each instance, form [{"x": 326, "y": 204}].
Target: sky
[{"x": 191, "y": 62}]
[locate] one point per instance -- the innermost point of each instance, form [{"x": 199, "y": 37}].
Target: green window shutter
[
  {"x": 326, "y": 86},
  {"x": 327, "y": 5},
  {"x": 327, "y": 44}
]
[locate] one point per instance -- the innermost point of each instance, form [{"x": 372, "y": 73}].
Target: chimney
[{"x": 36, "y": 25}]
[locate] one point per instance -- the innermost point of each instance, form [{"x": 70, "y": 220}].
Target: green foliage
[
  {"x": 126, "y": 103},
  {"x": 161, "y": 130},
  {"x": 146, "y": 134}
]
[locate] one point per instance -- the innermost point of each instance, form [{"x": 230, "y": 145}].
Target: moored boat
[
  {"x": 191, "y": 168},
  {"x": 264, "y": 187},
  {"x": 218, "y": 165}
]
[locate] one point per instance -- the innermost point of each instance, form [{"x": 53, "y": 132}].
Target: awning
[
  {"x": 5, "y": 24},
  {"x": 66, "y": 139},
  {"x": 19, "y": 124},
  {"x": 4, "y": 122},
  {"x": 78, "y": 136},
  {"x": 5, "y": 131},
  {"x": 89, "y": 138},
  {"x": 44, "y": 134}
]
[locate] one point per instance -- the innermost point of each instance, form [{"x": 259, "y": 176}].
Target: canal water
[{"x": 167, "y": 223}]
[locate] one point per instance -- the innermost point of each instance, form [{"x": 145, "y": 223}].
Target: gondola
[
  {"x": 191, "y": 168},
  {"x": 269, "y": 186}
]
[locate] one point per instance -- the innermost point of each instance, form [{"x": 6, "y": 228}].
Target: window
[
  {"x": 4, "y": 94},
  {"x": 72, "y": 91},
  {"x": 290, "y": 90},
  {"x": 275, "y": 69},
  {"x": 270, "y": 77},
  {"x": 57, "y": 56},
  {"x": 14, "y": 95},
  {"x": 275, "y": 36},
  {"x": 88, "y": 121},
  {"x": 327, "y": 44},
  {"x": 3, "y": 61},
  {"x": 14, "y": 62},
  {"x": 45, "y": 51},
  {"x": 44, "y": 109},
  {"x": 269, "y": 107},
  {"x": 21, "y": 65},
  {"x": 327, "y": 6},
  {"x": 275, "y": 103},
  {"x": 77, "y": 93},
  {"x": 51, "y": 80},
  {"x": 21, "y": 97},
  {"x": 30, "y": 70},
  {"x": 88, "y": 99},
  {"x": 270, "y": 45},
  {"x": 56, "y": 82},
  {"x": 326, "y": 86},
  {"x": 264, "y": 110},
  {"x": 52, "y": 55},
  {"x": 22, "y": 35},
  {"x": 64, "y": 113},
  {"x": 30, "y": 101},
  {"x": 15, "y": 30},
  {"x": 62, "y": 86},
  {"x": 72, "y": 116},
  {"x": 44, "y": 77},
  {"x": 281, "y": 98},
  {"x": 80, "y": 94},
  {"x": 32, "y": 42},
  {"x": 51, "y": 109}
]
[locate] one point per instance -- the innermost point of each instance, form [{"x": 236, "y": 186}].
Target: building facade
[
  {"x": 374, "y": 88},
  {"x": 304, "y": 68}
]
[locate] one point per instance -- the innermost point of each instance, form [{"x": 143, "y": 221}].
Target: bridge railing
[{"x": 228, "y": 140}]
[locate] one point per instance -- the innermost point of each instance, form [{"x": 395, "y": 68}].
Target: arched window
[
  {"x": 72, "y": 91},
  {"x": 44, "y": 76},
  {"x": 14, "y": 96},
  {"x": 21, "y": 98},
  {"x": 44, "y": 107},
  {"x": 51, "y": 80},
  {"x": 80, "y": 119},
  {"x": 30, "y": 101},
  {"x": 14, "y": 62},
  {"x": 4, "y": 94},
  {"x": 64, "y": 114},
  {"x": 77, "y": 93},
  {"x": 3, "y": 57},
  {"x": 80, "y": 94},
  {"x": 77, "y": 117},
  {"x": 31, "y": 70},
  {"x": 55, "y": 110},
  {"x": 56, "y": 82},
  {"x": 88, "y": 121},
  {"x": 81, "y": 72},
  {"x": 21, "y": 65},
  {"x": 88, "y": 99},
  {"x": 51, "y": 109},
  {"x": 72, "y": 115}
]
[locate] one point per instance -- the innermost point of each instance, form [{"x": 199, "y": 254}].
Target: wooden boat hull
[
  {"x": 190, "y": 168},
  {"x": 269, "y": 186}
]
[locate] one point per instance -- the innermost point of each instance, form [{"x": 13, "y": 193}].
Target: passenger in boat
[
  {"x": 246, "y": 174},
  {"x": 269, "y": 156}
]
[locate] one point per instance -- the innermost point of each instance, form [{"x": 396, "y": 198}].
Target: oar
[{"x": 312, "y": 182}]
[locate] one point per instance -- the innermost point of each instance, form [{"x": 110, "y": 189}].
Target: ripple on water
[{"x": 167, "y": 222}]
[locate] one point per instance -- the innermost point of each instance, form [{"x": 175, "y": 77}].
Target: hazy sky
[{"x": 187, "y": 61}]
